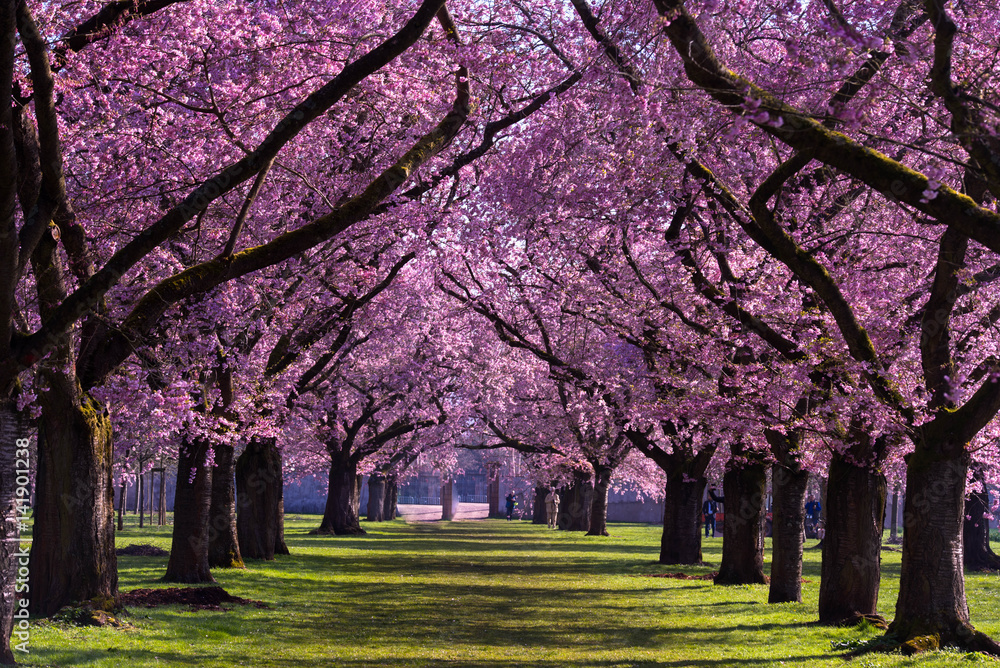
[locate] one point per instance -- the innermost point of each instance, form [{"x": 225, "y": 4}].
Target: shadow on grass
[{"x": 421, "y": 595}]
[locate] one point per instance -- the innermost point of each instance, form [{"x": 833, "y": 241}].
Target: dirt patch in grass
[
  {"x": 142, "y": 550},
  {"x": 684, "y": 576},
  {"x": 196, "y": 598}
]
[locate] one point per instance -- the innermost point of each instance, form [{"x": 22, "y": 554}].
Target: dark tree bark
[
  {"x": 161, "y": 519},
  {"x": 789, "y": 482},
  {"x": 73, "y": 548},
  {"x": 139, "y": 489},
  {"x": 280, "y": 547},
  {"x": 931, "y": 599},
  {"x": 978, "y": 555},
  {"x": 376, "y": 497},
  {"x": 121, "y": 505},
  {"x": 599, "y": 503},
  {"x": 259, "y": 510},
  {"x": 192, "y": 502},
  {"x": 894, "y": 516},
  {"x": 685, "y": 469},
  {"x": 681, "y": 540},
  {"x": 223, "y": 542},
  {"x": 788, "y": 514},
  {"x": 341, "y": 515},
  {"x": 743, "y": 486},
  {"x": 852, "y": 556},
  {"x": 391, "y": 497},
  {"x": 538, "y": 514},
  {"x": 577, "y": 500},
  {"x": 493, "y": 490}
]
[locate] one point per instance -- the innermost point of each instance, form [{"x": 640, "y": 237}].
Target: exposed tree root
[{"x": 967, "y": 639}]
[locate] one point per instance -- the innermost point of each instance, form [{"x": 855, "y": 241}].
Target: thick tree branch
[
  {"x": 291, "y": 345},
  {"x": 208, "y": 275},
  {"x": 102, "y": 24},
  {"x": 935, "y": 327},
  {"x": 611, "y": 49},
  {"x": 800, "y": 131},
  {"x": 971, "y": 134},
  {"x": 90, "y": 293}
]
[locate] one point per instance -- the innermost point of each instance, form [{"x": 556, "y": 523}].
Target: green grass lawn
[{"x": 484, "y": 593}]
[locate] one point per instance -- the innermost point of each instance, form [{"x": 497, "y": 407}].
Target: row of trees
[{"x": 673, "y": 236}]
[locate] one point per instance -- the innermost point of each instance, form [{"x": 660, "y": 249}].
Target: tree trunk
[
  {"x": 599, "y": 503},
  {"x": 161, "y": 519},
  {"x": 852, "y": 557},
  {"x": 11, "y": 431},
  {"x": 192, "y": 502},
  {"x": 931, "y": 601},
  {"x": 139, "y": 489},
  {"x": 788, "y": 516},
  {"x": 743, "y": 528},
  {"x": 824, "y": 483},
  {"x": 538, "y": 513},
  {"x": 976, "y": 528},
  {"x": 73, "y": 548},
  {"x": 574, "y": 511},
  {"x": 493, "y": 490},
  {"x": 447, "y": 500},
  {"x": 681, "y": 541},
  {"x": 893, "y": 517},
  {"x": 376, "y": 497},
  {"x": 391, "y": 497},
  {"x": 259, "y": 522},
  {"x": 359, "y": 480},
  {"x": 341, "y": 515},
  {"x": 121, "y": 505},
  {"x": 223, "y": 542}
]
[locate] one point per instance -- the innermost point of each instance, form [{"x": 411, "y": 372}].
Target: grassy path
[{"x": 486, "y": 593}]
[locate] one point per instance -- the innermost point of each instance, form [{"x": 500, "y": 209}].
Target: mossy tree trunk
[
  {"x": 73, "y": 548},
  {"x": 932, "y": 601}
]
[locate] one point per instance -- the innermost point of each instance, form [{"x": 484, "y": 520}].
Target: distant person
[
  {"x": 820, "y": 531},
  {"x": 510, "y": 506},
  {"x": 813, "y": 510},
  {"x": 552, "y": 507},
  {"x": 708, "y": 510}
]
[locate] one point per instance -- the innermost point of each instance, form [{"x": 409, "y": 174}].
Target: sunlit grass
[{"x": 488, "y": 593}]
